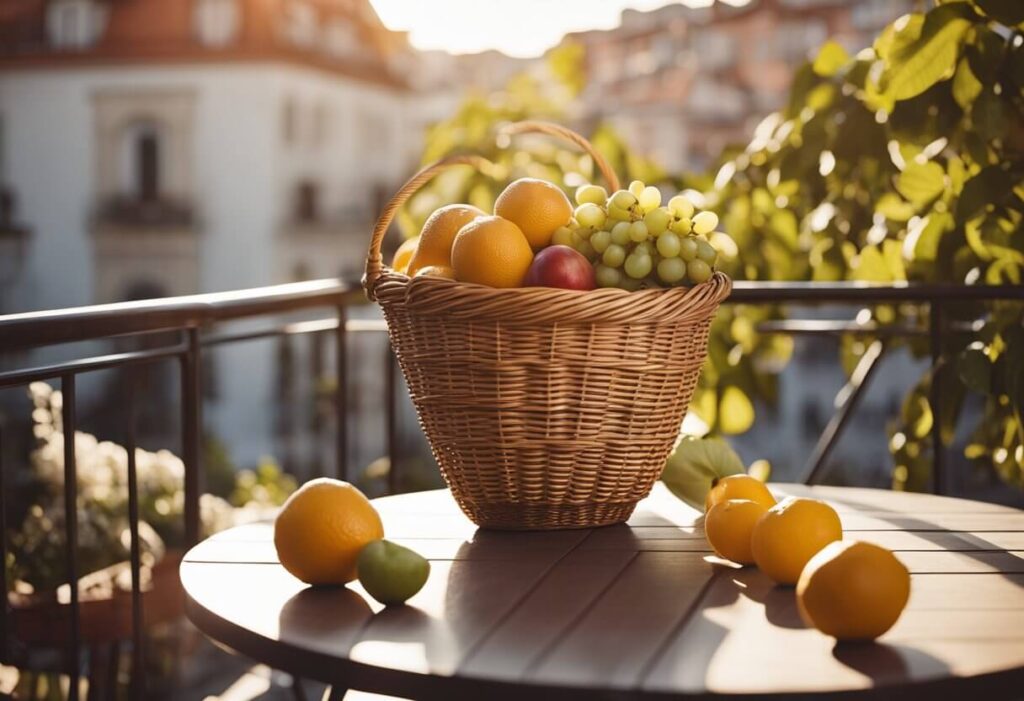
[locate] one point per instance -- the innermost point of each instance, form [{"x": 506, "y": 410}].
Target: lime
[{"x": 391, "y": 573}]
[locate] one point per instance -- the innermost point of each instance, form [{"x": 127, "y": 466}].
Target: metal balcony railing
[{"x": 195, "y": 321}]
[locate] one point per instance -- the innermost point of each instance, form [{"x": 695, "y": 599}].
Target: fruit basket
[{"x": 544, "y": 408}]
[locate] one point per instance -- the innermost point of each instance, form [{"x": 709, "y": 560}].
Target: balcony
[{"x": 124, "y": 212}]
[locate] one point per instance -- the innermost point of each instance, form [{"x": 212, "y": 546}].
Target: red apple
[{"x": 560, "y": 266}]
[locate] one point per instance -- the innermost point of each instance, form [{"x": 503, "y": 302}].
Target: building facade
[{"x": 164, "y": 147}]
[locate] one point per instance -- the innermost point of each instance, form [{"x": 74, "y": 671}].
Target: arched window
[{"x": 75, "y": 24}]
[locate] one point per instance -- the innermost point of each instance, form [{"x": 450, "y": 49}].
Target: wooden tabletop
[{"x": 642, "y": 610}]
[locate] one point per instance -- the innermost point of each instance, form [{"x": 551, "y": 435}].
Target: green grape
[
  {"x": 614, "y": 255},
  {"x": 637, "y": 266},
  {"x": 668, "y": 244},
  {"x": 671, "y": 270},
  {"x": 706, "y": 252},
  {"x": 638, "y": 231},
  {"x": 587, "y": 249},
  {"x": 681, "y": 206},
  {"x": 629, "y": 284},
  {"x": 705, "y": 222},
  {"x": 563, "y": 236},
  {"x": 620, "y": 233},
  {"x": 650, "y": 198},
  {"x": 636, "y": 187},
  {"x": 644, "y": 248},
  {"x": 618, "y": 213},
  {"x": 681, "y": 226},
  {"x": 584, "y": 233},
  {"x": 593, "y": 194},
  {"x": 590, "y": 214},
  {"x": 688, "y": 249},
  {"x": 623, "y": 199},
  {"x": 609, "y": 223},
  {"x": 699, "y": 271},
  {"x": 657, "y": 220},
  {"x": 607, "y": 277},
  {"x": 600, "y": 240}
]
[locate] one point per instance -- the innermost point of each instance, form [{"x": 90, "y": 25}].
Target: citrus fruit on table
[
  {"x": 391, "y": 573},
  {"x": 728, "y": 526},
  {"x": 491, "y": 251},
  {"x": 738, "y": 487},
  {"x": 791, "y": 533},
  {"x": 853, "y": 590},
  {"x": 404, "y": 254},
  {"x": 537, "y": 207},
  {"x": 438, "y": 233},
  {"x": 321, "y": 529}
]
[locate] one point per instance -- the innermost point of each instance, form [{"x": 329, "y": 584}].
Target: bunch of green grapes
[{"x": 634, "y": 242}]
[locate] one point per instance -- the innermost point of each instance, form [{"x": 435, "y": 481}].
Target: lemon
[
  {"x": 791, "y": 533},
  {"x": 728, "y": 526},
  {"x": 405, "y": 252},
  {"x": 438, "y": 233},
  {"x": 853, "y": 590},
  {"x": 738, "y": 487},
  {"x": 321, "y": 529},
  {"x": 537, "y": 207}
]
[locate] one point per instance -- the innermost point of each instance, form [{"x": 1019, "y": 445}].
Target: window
[
  {"x": 143, "y": 162},
  {"x": 216, "y": 21},
  {"x": 307, "y": 205},
  {"x": 301, "y": 24},
  {"x": 75, "y": 24}
]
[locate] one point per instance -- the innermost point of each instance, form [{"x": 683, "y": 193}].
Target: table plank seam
[
  {"x": 478, "y": 644},
  {"x": 537, "y": 659}
]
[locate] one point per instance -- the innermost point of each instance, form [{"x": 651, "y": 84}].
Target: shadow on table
[
  {"x": 328, "y": 619},
  {"x": 883, "y": 663}
]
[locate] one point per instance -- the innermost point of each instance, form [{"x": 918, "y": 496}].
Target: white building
[{"x": 166, "y": 147}]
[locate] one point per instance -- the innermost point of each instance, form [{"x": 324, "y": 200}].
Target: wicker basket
[{"x": 544, "y": 408}]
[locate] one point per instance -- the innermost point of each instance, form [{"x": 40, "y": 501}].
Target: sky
[{"x": 516, "y": 27}]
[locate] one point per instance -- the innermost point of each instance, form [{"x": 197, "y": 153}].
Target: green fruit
[{"x": 391, "y": 573}]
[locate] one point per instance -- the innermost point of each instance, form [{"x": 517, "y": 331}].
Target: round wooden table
[{"x": 634, "y": 611}]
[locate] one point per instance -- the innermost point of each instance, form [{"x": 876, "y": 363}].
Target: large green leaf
[
  {"x": 830, "y": 59},
  {"x": 966, "y": 85},
  {"x": 695, "y": 464},
  {"x": 921, "y": 182},
  {"x": 914, "y": 68},
  {"x": 990, "y": 185}
]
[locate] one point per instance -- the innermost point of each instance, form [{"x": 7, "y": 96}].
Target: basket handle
[{"x": 374, "y": 260}]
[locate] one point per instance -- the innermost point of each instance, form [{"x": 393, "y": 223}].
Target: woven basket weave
[{"x": 544, "y": 408}]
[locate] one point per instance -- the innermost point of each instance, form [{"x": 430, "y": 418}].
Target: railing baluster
[
  {"x": 5, "y": 631},
  {"x": 392, "y": 420},
  {"x": 67, "y": 386},
  {"x": 138, "y": 679},
  {"x": 191, "y": 430},
  {"x": 935, "y": 322},
  {"x": 341, "y": 394}
]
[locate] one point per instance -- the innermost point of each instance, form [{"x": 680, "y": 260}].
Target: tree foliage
[{"x": 904, "y": 162}]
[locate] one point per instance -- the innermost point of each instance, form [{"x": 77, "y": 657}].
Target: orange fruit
[
  {"x": 438, "y": 233},
  {"x": 444, "y": 271},
  {"x": 405, "y": 252},
  {"x": 791, "y": 533},
  {"x": 491, "y": 251},
  {"x": 853, "y": 590},
  {"x": 738, "y": 487},
  {"x": 321, "y": 528},
  {"x": 728, "y": 526},
  {"x": 537, "y": 207}
]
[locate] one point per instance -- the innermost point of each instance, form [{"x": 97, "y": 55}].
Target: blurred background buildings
[{"x": 165, "y": 147}]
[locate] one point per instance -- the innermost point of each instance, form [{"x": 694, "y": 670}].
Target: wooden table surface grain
[{"x": 635, "y": 611}]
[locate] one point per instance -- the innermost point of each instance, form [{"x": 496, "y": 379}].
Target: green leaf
[
  {"x": 921, "y": 182},
  {"x": 989, "y": 116},
  {"x": 831, "y": 57},
  {"x": 966, "y": 85},
  {"x": 975, "y": 370},
  {"x": 891, "y": 206},
  {"x": 735, "y": 412},
  {"x": 1008, "y": 12},
  {"x": 695, "y": 464},
  {"x": 915, "y": 67},
  {"x": 990, "y": 185},
  {"x": 871, "y": 266}
]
